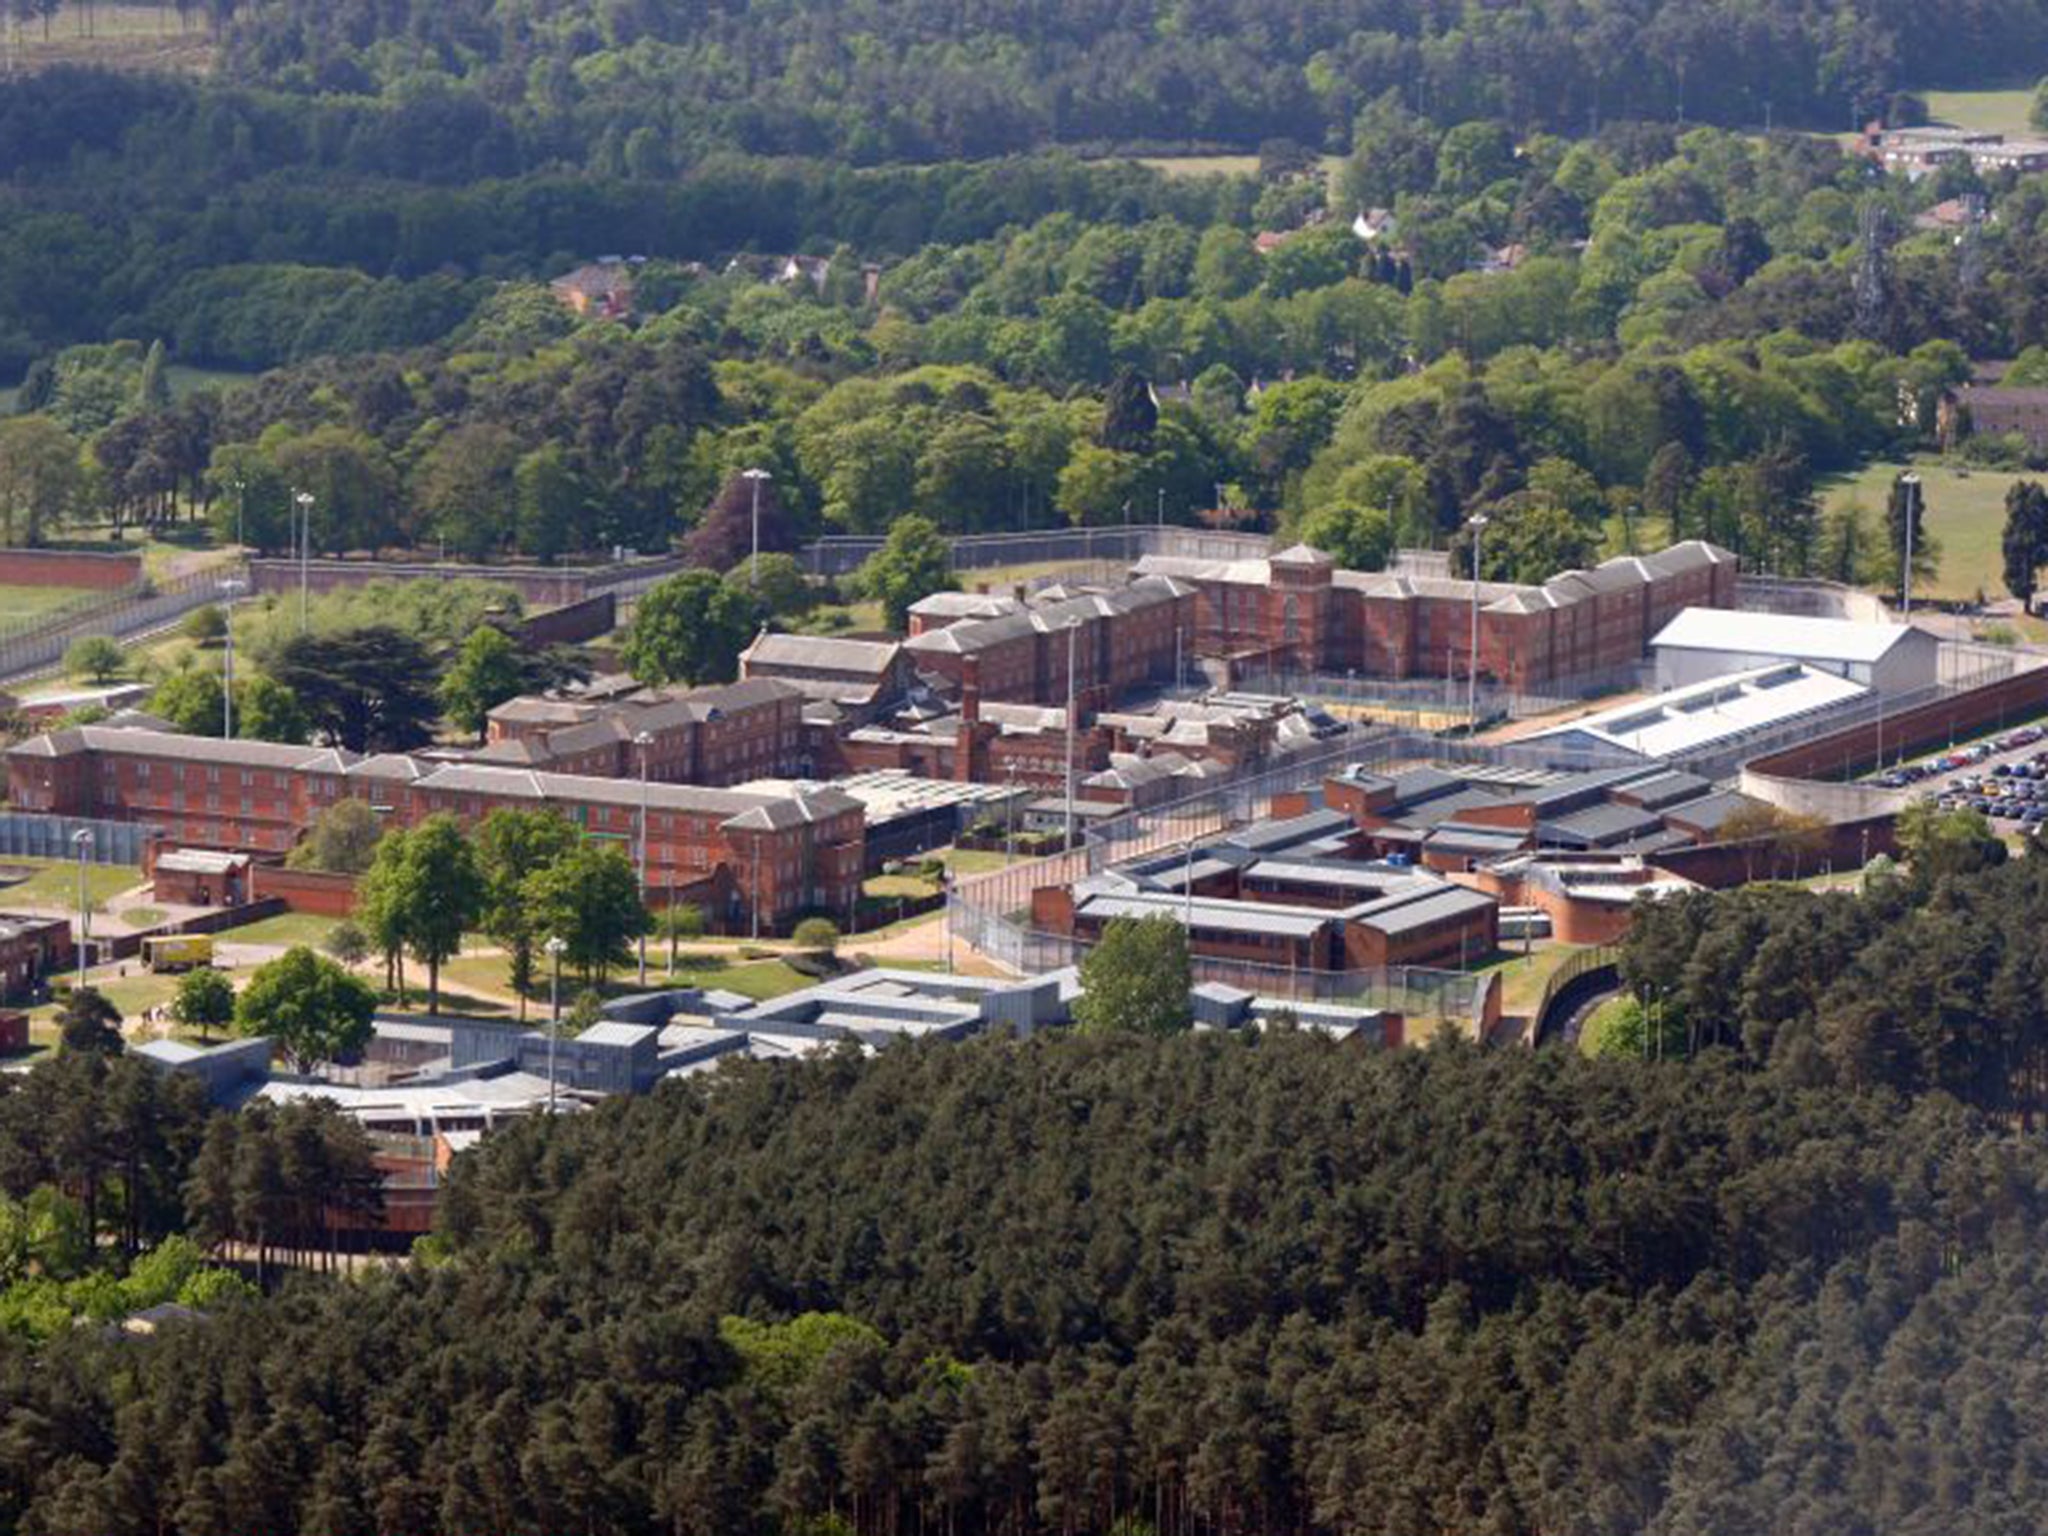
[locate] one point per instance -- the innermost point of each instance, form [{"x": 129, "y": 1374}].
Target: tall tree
[
  {"x": 369, "y": 689},
  {"x": 589, "y": 898},
  {"x": 42, "y": 482},
  {"x": 512, "y": 845},
  {"x": 2025, "y": 543},
  {"x": 440, "y": 895},
  {"x": 1136, "y": 979},
  {"x": 911, "y": 565},
  {"x": 689, "y": 628},
  {"x": 205, "y": 1000},
  {"x": 485, "y": 673},
  {"x": 313, "y": 1009}
]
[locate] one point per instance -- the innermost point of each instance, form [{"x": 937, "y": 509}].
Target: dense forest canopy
[
  {"x": 654, "y": 86},
  {"x": 1193, "y": 1284}
]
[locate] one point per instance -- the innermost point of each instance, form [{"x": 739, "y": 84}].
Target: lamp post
[
  {"x": 241, "y": 490},
  {"x": 1910, "y": 484},
  {"x": 1477, "y": 523},
  {"x": 754, "y": 560},
  {"x": 554, "y": 947},
  {"x": 1073, "y": 631},
  {"x": 230, "y": 588},
  {"x": 303, "y": 500},
  {"x": 82, "y": 841},
  {"x": 643, "y": 741}
]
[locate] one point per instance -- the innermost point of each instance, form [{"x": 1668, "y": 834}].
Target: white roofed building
[{"x": 1702, "y": 643}]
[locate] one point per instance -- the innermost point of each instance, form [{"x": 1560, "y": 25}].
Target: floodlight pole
[
  {"x": 304, "y": 501},
  {"x": 754, "y": 561},
  {"x": 554, "y": 947},
  {"x": 1073, "y": 630},
  {"x": 643, "y": 741},
  {"x": 82, "y": 841},
  {"x": 1477, "y": 523},
  {"x": 227, "y": 691}
]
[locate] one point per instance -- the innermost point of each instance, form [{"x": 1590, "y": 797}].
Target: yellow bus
[{"x": 177, "y": 952}]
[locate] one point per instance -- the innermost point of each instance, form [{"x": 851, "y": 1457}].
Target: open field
[
  {"x": 1221, "y": 165},
  {"x": 54, "y": 883},
  {"x": 1983, "y": 111},
  {"x": 19, "y": 603},
  {"x": 136, "y": 37},
  {"x": 1965, "y": 513},
  {"x": 183, "y": 380},
  {"x": 287, "y": 928}
]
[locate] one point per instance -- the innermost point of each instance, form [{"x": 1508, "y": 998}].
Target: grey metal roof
[
  {"x": 823, "y": 653},
  {"x": 1462, "y": 837},
  {"x": 1211, "y": 915},
  {"x": 1708, "y": 812},
  {"x": 208, "y": 750},
  {"x": 1662, "y": 790},
  {"x": 1599, "y": 825},
  {"x": 1445, "y": 904},
  {"x": 1339, "y": 874},
  {"x": 1284, "y": 833}
]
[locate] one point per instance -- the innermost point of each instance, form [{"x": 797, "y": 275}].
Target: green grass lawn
[
  {"x": 135, "y": 37},
  {"x": 758, "y": 979},
  {"x": 286, "y": 928},
  {"x": 1965, "y": 514},
  {"x": 1983, "y": 111},
  {"x": 1222, "y": 165},
  {"x": 978, "y": 861},
  {"x": 133, "y": 994},
  {"x": 18, "y": 604},
  {"x": 54, "y": 883},
  {"x": 893, "y": 887},
  {"x": 1523, "y": 978}
]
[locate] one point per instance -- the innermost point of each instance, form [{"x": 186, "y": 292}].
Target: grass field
[
  {"x": 287, "y": 928},
  {"x": 55, "y": 883},
  {"x": 1983, "y": 111},
  {"x": 1965, "y": 514},
  {"x": 1221, "y": 165},
  {"x": 19, "y": 603},
  {"x": 136, "y": 37}
]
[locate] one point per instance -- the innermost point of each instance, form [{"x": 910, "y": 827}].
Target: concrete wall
[
  {"x": 67, "y": 568},
  {"x": 1810, "y": 777}
]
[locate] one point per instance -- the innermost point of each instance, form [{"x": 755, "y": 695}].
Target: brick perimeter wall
[
  {"x": 1854, "y": 750},
  {"x": 573, "y": 623},
  {"x": 304, "y": 890},
  {"x": 65, "y": 568}
]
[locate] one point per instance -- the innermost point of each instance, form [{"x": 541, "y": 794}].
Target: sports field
[
  {"x": 1965, "y": 513},
  {"x": 1982, "y": 111}
]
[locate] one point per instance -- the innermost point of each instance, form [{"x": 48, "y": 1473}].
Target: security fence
[
  {"x": 1411, "y": 990},
  {"x": 117, "y": 615},
  {"x": 1439, "y": 697},
  {"x": 841, "y": 554},
  {"x": 24, "y": 836}
]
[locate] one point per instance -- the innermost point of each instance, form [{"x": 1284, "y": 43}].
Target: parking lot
[{"x": 2004, "y": 777}]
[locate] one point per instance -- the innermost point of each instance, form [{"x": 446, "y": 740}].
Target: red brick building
[
  {"x": 32, "y": 948},
  {"x": 1297, "y": 612},
  {"x": 733, "y": 852},
  {"x": 726, "y": 733},
  {"x": 1119, "y": 640}
]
